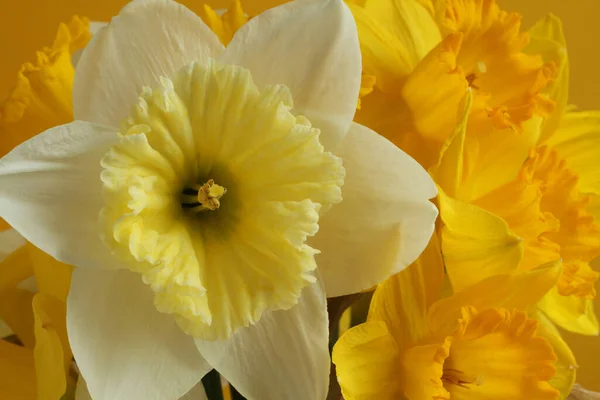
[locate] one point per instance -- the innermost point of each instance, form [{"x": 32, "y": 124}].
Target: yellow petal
[
  {"x": 226, "y": 24},
  {"x": 52, "y": 277},
  {"x": 498, "y": 355},
  {"x": 448, "y": 172},
  {"x": 17, "y": 373},
  {"x": 577, "y": 140},
  {"x": 388, "y": 115},
  {"x": 367, "y": 359},
  {"x": 476, "y": 158},
  {"x": 527, "y": 218},
  {"x": 548, "y": 40},
  {"x": 492, "y": 60},
  {"x": 42, "y": 96},
  {"x": 566, "y": 365},
  {"x": 578, "y": 234},
  {"x": 15, "y": 268},
  {"x": 435, "y": 90},
  {"x": 15, "y": 310},
  {"x": 401, "y": 302},
  {"x": 519, "y": 290},
  {"x": 419, "y": 117},
  {"x": 51, "y": 353},
  {"x": 422, "y": 369},
  {"x": 476, "y": 244},
  {"x": 494, "y": 157},
  {"x": 367, "y": 85},
  {"x": 578, "y": 279},
  {"x": 253, "y": 7},
  {"x": 574, "y": 314},
  {"x": 394, "y": 36}
]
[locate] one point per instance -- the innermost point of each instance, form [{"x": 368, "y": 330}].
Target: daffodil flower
[
  {"x": 530, "y": 197},
  {"x": 425, "y": 54},
  {"x": 421, "y": 344},
  {"x": 189, "y": 192}
]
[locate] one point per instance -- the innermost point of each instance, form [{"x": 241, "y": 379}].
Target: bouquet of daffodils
[{"x": 315, "y": 199}]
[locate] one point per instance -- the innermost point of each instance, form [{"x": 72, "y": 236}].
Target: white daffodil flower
[{"x": 189, "y": 192}]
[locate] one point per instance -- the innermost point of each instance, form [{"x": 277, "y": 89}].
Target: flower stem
[
  {"x": 212, "y": 385},
  {"x": 235, "y": 395}
]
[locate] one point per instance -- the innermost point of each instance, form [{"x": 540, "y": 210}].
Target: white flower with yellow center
[{"x": 198, "y": 190}]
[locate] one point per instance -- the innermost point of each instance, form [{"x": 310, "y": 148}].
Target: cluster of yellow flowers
[{"x": 209, "y": 177}]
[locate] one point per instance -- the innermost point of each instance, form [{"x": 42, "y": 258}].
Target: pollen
[
  {"x": 204, "y": 198},
  {"x": 459, "y": 378}
]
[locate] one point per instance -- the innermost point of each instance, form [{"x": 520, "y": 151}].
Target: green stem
[
  {"x": 212, "y": 385},
  {"x": 235, "y": 395}
]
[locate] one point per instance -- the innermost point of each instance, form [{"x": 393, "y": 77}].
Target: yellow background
[{"x": 25, "y": 25}]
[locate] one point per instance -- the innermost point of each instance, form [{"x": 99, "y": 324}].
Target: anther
[{"x": 203, "y": 198}]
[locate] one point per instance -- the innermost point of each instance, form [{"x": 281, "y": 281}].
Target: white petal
[
  {"x": 50, "y": 191},
  {"x": 10, "y": 241},
  {"x": 95, "y": 27},
  {"x": 196, "y": 393},
  {"x": 148, "y": 39},
  {"x": 384, "y": 221},
  {"x": 312, "y": 47},
  {"x": 283, "y": 357},
  {"x": 123, "y": 346}
]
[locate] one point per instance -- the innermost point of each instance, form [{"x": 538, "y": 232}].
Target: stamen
[
  {"x": 459, "y": 378},
  {"x": 480, "y": 69},
  {"x": 203, "y": 198}
]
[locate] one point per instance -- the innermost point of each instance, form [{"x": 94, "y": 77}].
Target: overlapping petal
[
  {"x": 149, "y": 39},
  {"x": 283, "y": 356},
  {"x": 124, "y": 347},
  {"x": 574, "y": 314},
  {"x": 367, "y": 359},
  {"x": 320, "y": 66},
  {"x": 403, "y": 300},
  {"x": 520, "y": 291},
  {"x": 384, "y": 221},
  {"x": 395, "y": 36},
  {"x": 53, "y": 180},
  {"x": 17, "y": 372}
]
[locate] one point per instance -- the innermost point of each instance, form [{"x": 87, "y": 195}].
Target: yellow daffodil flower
[
  {"x": 190, "y": 190},
  {"x": 40, "y": 367},
  {"x": 419, "y": 345},
  {"x": 424, "y": 58},
  {"x": 40, "y": 100},
  {"x": 513, "y": 200},
  {"x": 569, "y": 136}
]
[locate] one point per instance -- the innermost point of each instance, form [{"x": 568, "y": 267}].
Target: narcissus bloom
[
  {"x": 513, "y": 200},
  {"x": 422, "y": 344},
  {"x": 423, "y": 58},
  {"x": 190, "y": 190}
]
